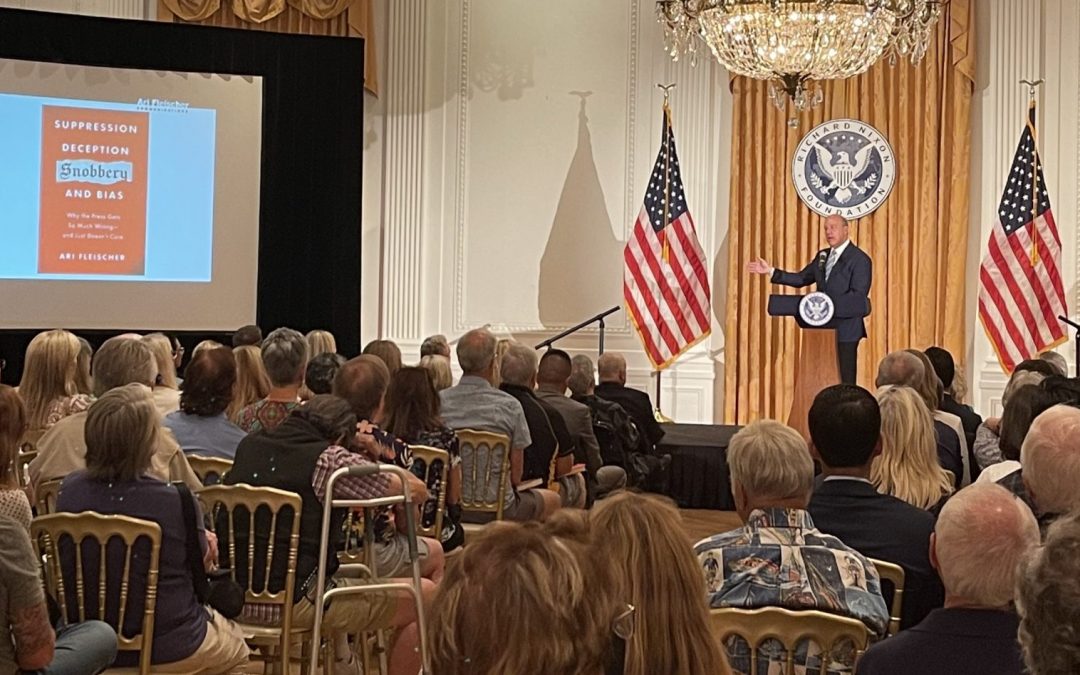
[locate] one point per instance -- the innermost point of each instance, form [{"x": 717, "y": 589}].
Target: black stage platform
[{"x": 699, "y": 473}]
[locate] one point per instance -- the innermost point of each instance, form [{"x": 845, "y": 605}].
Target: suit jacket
[
  {"x": 640, "y": 407},
  {"x": 851, "y": 277},
  {"x": 968, "y": 417},
  {"x": 886, "y": 528},
  {"x": 948, "y": 450},
  {"x": 950, "y": 642},
  {"x": 578, "y": 421}
]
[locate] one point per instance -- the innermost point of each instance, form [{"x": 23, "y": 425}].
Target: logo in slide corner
[{"x": 844, "y": 166}]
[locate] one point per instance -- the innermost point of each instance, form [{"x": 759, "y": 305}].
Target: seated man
[
  {"x": 247, "y": 335},
  {"x": 551, "y": 382},
  {"x": 945, "y": 368},
  {"x": 845, "y": 427},
  {"x": 980, "y": 538},
  {"x": 1050, "y": 461},
  {"x": 284, "y": 356},
  {"x": 906, "y": 369},
  {"x": 29, "y": 644},
  {"x": 62, "y": 449},
  {"x": 474, "y": 404},
  {"x": 551, "y": 440},
  {"x": 1047, "y": 597},
  {"x": 299, "y": 455},
  {"x": 611, "y": 368},
  {"x": 362, "y": 383},
  {"x": 779, "y": 558}
]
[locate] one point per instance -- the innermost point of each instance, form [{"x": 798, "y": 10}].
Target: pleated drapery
[
  {"x": 917, "y": 240},
  {"x": 310, "y": 17}
]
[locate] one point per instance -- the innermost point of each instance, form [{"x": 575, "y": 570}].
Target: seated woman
[
  {"x": 412, "y": 414},
  {"x": 252, "y": 382},
  {"x": 908, "y": 466},
  {"x": 50, "y": 380},
  {"x": 657, "y": 573},
  {"x": 200, "y": 426},
  {"x": 166, "y": 388},
  {"x": 13, "y": 501},
  {"x": 530, "y": 598},
  {"x": 121, "y": 433}
]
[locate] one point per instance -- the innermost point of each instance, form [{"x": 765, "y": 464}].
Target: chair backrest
[
  {"x": 45, "y": 496},
  {"x": 99, "y": 600},
  {"x": 208, "y": 467},
  {"x": 485, "y": 470},
  {"x": 432, "y": 466},
  {"x": 790, "y": 628},
  {"x": 22, "y": 466},
  {"x": 894, "y": 575}
]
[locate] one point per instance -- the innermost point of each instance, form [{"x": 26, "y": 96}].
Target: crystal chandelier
[{"x": 795, "y": 43}]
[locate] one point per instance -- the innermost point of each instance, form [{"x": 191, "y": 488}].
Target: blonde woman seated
[
  {"x": 252, "y": 383},
  {"x": 166, "y": 388},
  {"x": 528, "y": 598},
  {"x": 908, "y": 466},
  {"x": 656, "y": 572},
  {"x": 122, "y": 431},
  {"x": 438, "y": 368},
  {"x": 320, "y": 342},
  {"x": 51, "y": 378}
]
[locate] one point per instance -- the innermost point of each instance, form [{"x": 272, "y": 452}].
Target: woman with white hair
[{"x": 908, "y": 466}]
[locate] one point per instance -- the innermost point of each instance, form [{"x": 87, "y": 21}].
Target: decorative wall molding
[{"x": 123, "y": 9}]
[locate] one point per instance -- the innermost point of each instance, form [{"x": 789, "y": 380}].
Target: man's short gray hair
[
  {"x": 284, "y": 355},
  {"x": 435, "y": 345},
  {"x": 1048, "y": 593},
  {"x": 610, "y": 366},
  {"x": 582, "y": 379},
  {"x": 1019, "y": 379},
  {"x": 476, "y": 350},
  {"x": 123, "y": 360},
  {"x": 900, "y": 368},
  {"x": 981, "y": 537},
  {"x": 518, "y": 365},
  {"x": 1050, "y": 456},
  {"x": 771, "y": 461}
]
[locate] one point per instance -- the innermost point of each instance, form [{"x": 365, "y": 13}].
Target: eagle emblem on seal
[
  {"x": 816, "y": 309},
  {"x": 844, "y": 166}
]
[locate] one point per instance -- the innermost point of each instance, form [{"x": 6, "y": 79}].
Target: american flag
[
  {"x": 1020, "y": 289},
  {"x": 664, "y": 284}
]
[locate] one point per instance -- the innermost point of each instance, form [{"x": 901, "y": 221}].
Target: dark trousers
[{"x": 847, "y": 353}]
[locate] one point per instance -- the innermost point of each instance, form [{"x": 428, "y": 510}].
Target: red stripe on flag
[
  {"x": 1005, "y": 312},
  {"x": 1023, "y": 259},
  {"x": 651, "y": 349},
  {"x": 1000, "y": 345},
  {"x": 1019, "y": 296},
  {"x": 666, "y": 334},
  {"x": 665, "y": 290}
]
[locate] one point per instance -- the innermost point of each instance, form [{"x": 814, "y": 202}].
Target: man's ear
[
  {"x": 814, "y": 454},
  {"x": 933, "y": 553},
  {"x": 877, "y": 449}
]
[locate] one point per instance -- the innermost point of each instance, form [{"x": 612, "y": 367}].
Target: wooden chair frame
[
  {"x": 894, "y": 574},
  {"x": 222, "y": 501},
  {"x": 486, "y": 443},
  {"x": 22, "y": 466},
  {"x": 429, "y": 456},
  {"x": 757, "y": 626},
  {"x": 45, "y": 495},
  {"x": 204, "y": 467},
  {"x": 47, "y": 531}
]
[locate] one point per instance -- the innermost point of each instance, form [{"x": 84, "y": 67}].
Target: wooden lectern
[{"x": 817, "y": 366}]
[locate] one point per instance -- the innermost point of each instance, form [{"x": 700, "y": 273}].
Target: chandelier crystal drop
[{"x": 796, "y": 43}]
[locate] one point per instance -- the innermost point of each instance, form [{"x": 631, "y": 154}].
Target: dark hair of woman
[
  {"x": 412, "y": 404},
  {"x": 208, "y": 383},
  {"x": 331, "y": 416}
]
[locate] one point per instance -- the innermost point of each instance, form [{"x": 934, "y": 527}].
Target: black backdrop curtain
[{"x": 312, "y": 145}]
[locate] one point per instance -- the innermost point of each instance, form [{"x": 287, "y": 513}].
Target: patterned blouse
[
  {"x": 66, "y": 405},
  {"x": 15, "y": 505},
  {"x": 779, "y": 559},
  {"x": 264, "y": 414},
  {"x": 443, "y": 438}
]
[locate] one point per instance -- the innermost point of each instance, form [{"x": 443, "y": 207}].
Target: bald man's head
[
  {"x": 611, "y": 367},
  {"x": 476, "y": 352},
  {"x": 362, "y": 382},
  {"x": 900, "y": 368}
]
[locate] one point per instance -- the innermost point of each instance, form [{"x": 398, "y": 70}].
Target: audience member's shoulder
[{"x": 65, "y": 426}]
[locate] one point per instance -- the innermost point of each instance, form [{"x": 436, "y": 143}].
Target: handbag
[{"x": 217, "y": 588}]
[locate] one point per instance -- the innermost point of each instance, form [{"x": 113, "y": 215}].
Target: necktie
[{"x": 830, "y": 263}]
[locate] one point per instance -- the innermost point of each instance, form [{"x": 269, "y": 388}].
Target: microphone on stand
[{"x": 822, "y": 257}]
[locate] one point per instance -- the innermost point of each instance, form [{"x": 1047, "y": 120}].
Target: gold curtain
[
  {"x": 917, "y": 240},
  {"x": 340, "y": 18}
]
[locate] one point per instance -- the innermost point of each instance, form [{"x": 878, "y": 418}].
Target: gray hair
[
  {"x": 771, "y": 461},
  {"x": 476, "y": 350},
  {"x": 518, "y": 365},
  {"x": 123, "y": 360},
  {"x": 435, "y": 345},
  {"x": 1048, "y": 593},
  {"x": 610, "y": 366},
  {"x": 582, "y": 379},
  {"x": 981, "y": 537},
  {"x": 285, "y": 355},
  {"x": 1019, "y": 379},
  {"x": 1050, "y": 456},
  {"x": 902, "y": 368},
  {"x": 1057, "y": 361},
  {"x": 121, "y": 430}
]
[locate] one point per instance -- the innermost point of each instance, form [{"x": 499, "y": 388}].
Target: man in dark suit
[
  {"x": 945, "y": 368},
  {"x": 843, "y": 272},
  {"x": 611, "y": 368},
  {"x": 979, "y": 541},
  {"x": 845, "y": 430}
]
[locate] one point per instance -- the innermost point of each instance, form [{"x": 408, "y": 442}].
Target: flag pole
[
  {"x": 667, "y": 167},
  {"x": 1032, "y": 85}
]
